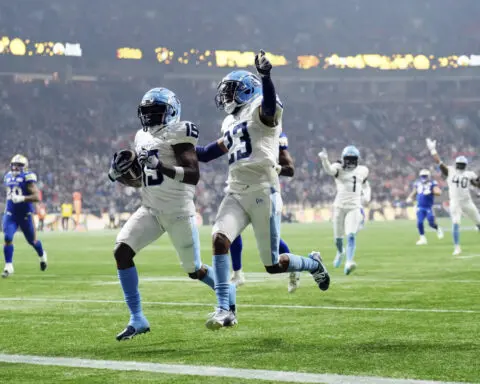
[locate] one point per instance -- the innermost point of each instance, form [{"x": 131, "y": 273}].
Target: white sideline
[
  {"x": 270, "y": 306},
  {"x": 198, "y": 370}
]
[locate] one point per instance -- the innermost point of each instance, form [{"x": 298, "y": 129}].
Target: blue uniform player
[
  {"x": 22, "y": 192},
  {"x": 425, "y": 189}
]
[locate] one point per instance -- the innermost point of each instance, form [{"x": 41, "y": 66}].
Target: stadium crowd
[{"x": 70, "y": 131}]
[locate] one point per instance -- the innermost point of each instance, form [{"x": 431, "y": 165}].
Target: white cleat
[
  {"x": 457, "y": 250},
  {"x": 293, "y": 282},
  {"x": 440, "y": 233},
  {"x": 350, "y": 266},
  {"x": 238, "y": 278},
  {"x": 43, "y": 261},
  {"x": 422, "y": 241},
  {"x": 221, "y": 318},
  {"x": 8, "y": 270},
  {"x": 337, "y": 262}
]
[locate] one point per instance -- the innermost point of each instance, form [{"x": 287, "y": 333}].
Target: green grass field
[{"x": 407, "y": 312}]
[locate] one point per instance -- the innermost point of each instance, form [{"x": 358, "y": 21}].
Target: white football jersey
[
  {"x": 349, "y": 186},
  {"x": 252, "y": 149},
  {"x": 459, "y": 183},
  {"x": 161, "y": 193}
]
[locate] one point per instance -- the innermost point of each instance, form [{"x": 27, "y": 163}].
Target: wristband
[{"x": 179, "y": 173}]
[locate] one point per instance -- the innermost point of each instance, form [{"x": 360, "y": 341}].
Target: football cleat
[
  {"x": 350, "y": 266},
  {"x": 8, "y": 270},
  {"x": 238, "y": 278},
  {"x": 221, "y": 318},
  {"x": 440, "y": 234},
  {"x": 134, "y": 329},
  {"x": 43, "y": 261},
  {"x": 293, "y": 282},
  {"x": 422, "y": 241},
  {"x": 337, "y": 262},
  {"x": 457, "y": 250},
  {"x": 321, "y": 276}
]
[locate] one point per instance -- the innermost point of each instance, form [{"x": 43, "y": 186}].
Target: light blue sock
[
  {"x": 351, "y": 245},
  {"x": 129, "y": 281},
  {"x": 221, "y": 267},
  {"x": 209, "y": 278},
  {"x": 300, "y": 263},
  {"x": 339, "y": 244},
  {"x": 456, "y": 234},
  {"x": 233, "y": 297}
]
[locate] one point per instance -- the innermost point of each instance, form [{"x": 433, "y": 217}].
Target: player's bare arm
[
  {"x": 33, "y": 193},
  {"x": 412, "y": 195},
  {"x": 187, "y": 170},
  {"x": 211, "y": 151},
  {"x": 432, "y": 147},
  {"x": 286, "y": 162},
  {"x": 268, "y": 108}
]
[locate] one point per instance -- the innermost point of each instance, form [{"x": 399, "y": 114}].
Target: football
[{"x": 133, "y": 175}]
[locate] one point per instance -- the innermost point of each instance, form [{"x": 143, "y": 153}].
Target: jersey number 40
[{"x": 238, "y": 143}]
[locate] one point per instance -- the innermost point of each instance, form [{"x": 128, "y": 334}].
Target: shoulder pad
[
  {"x": 30, "y": 177},
  {"x": 283, "y": 141},
  {"x": 182, "y": 132}
]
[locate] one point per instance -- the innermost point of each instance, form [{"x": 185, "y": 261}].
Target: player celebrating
[
  {"x": 22, "y": 193},
  {"x": 166, "y": 154},
  {"x": 251, "y": 136},
  {"x": 425, "y": 189},
  {"x": 285, "y": 168},
  {"x": 458, "y": 180},
  {"x": 352, "y": 188}
]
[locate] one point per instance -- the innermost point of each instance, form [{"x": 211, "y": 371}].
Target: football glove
[
  {"x": 432, "y": 146},
  {"x": 323, "y": 155},
  {"x": 278, "y": 168},
  {"x": 409, "y": 200},
  {"x": 148, "y": 159},
  {"x": 262, "y": 64},
  {"x": 18, "y": 199}
]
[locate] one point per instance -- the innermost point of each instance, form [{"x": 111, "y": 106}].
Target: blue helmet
[
  {"x": 350, "y": 156},
  {"x": 461, "y": 162},
  {"x": 237, "y": 89},
  {"x": 158, "y": 108}
]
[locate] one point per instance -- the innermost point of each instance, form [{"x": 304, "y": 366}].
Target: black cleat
[
  {"x": 321, "y": 276},
  {"x": 130, "y": 332},
  {"x": 43, "y": 265}
]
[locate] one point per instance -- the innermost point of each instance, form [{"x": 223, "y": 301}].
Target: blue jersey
[
  {"x": 425, "y": 195},
  {"x": 18, "y": 185},
  {"x": 283, "y": 142}
]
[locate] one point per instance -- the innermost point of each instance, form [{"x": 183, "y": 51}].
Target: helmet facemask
[
  {"x": 231, "y": 95},
  {"x": 461, "y": 166},
  {"x": 17, "y": 168},
  {"x": 156, "y": 116},
  {"x": 350, "y": 162}
]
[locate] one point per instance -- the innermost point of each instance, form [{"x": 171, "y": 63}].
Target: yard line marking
[
  {"x": 272, "y": 306},
  {"x": 466, "y": 257},
  {"x": 206, "y": 370}
]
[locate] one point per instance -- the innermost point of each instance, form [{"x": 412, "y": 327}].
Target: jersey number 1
[{"x": 354, "y": 183}]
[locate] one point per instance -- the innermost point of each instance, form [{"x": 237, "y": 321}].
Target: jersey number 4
[
  {"x": 238, "y": 143},
  {"x": 463, "y": 182}
]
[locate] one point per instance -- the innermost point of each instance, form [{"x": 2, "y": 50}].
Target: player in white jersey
[
  {"x": 459, "y": 180},
  {"x": 353, "y": 189},
  {"x": 251, "y": 133},
  {"x": 166, "y": 154}
]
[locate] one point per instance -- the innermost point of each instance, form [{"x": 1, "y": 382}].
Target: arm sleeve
[
  {"x": 330, "y": 169},
  {"x": 269, "y": 97},
  {"x": 210, "y": 152},
  {"x": 367, "y": 192}
]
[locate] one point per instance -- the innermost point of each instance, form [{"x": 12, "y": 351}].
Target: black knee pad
[
  {"x": 273, "y": 269},
  {"x": 124, "y": 256}
]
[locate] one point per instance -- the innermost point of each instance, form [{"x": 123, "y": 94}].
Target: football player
[
  {"x": 459, "y": 180},
  {"x": 251, "y": 133},
  {"x": 168, "y": 169},
  {"x": 425, "y": 190},
  {"x": 22, "y": 193},
  {"x": 286, "y": 168},
  {"x": 353, "y": 189}
]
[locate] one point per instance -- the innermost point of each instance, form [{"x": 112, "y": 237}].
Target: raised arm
[
  {"x": 268, "y": 108},
  {"x": 211, "y": 151},
  {"x": 431, "y": 145},
  {"x": 329, "y": 168}
]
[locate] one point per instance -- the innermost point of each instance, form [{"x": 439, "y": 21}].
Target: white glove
[
  {"x": 278, "y": 168},
  {"x": 262, "y": 64},
  {"x": 148, "y": 159},
  {"x": 323, "y": 155},
  {"x": 409, "y": 200},
  {"x": 18, "y": 199},
  {"x": 432, "y": 146}
]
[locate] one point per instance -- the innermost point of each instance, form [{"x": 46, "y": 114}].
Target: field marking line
[
  {"x": 211, "y": 371},
  {"x": 467, "y": 256},
  {"x": 270, "y": 306}
]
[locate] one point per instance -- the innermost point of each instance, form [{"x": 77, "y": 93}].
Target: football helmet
[
  {"x": 18, "y": 164},
  {"x": 424, "y": 175},
  {"x": 159, "y": 107},
  {"x": 237, "y": 89},
  {"x": 350, "y": 156},
  {"x": 461, "y": 163}
]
